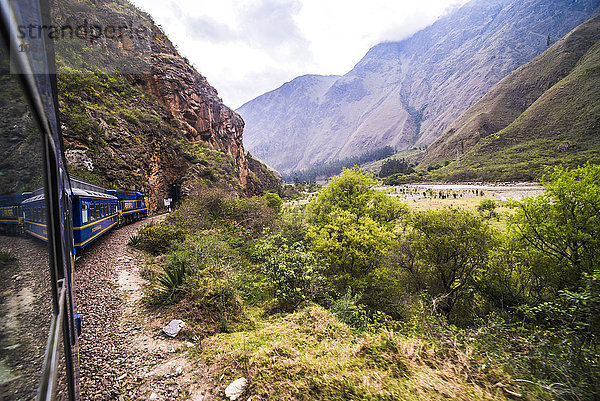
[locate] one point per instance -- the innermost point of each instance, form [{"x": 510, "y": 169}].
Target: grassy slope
[
  {"x": 513, "y": 131},
  {"x": 310, "y": 355}
]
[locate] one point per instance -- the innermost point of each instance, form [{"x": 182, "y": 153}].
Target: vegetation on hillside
[
  {"x": 359, "y": 297},
  {"x": 335, "y": 167},
  {"x": 544, "y": 113}
]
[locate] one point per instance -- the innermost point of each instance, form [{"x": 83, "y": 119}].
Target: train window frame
[{"x": 85, "y": 217}]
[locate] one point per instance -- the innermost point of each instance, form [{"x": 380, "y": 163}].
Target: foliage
[
  {"x": 172, "y": 278},
  {"x": 330, "y": 169},
  {"x": 293, "y": 273},
  {"x": 487, "y": 208},
  {"x": 444, "y": 252},
  {"x": 352, "y": 226},
  {"x": 159, "y": 238},
  {"x": 561, "y": 228},
  {"x": 273, "y": 201},
  {"x": 349, "y": 311},
  {"x": 310, "y": 355},
  {"x": 214, "y": 207},
  {"x": 6, "y": 259},
  {"x": 395, "y": 166},
  {"x": 134, "y": 241}
]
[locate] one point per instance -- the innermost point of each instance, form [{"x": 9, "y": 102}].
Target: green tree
[
  {"x": 487, "y": 208},
  {"x": 445, "y": 251},
  {"x": 353, "y": 226},
  {"x": 274, "y": 201},
  {"x": 561, "y": 228}
]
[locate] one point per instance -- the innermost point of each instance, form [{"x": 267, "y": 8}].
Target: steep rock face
[
  {"x": 269, "y": 179},
  {"x": 196, "y": 107},
  {"x": 513, "y": 95},
  {"x": 130, "y": 104},
  {"x": 406, "y": 93},
  {"x": 283, "y": 117}
]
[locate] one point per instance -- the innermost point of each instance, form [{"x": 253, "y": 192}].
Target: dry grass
[{"x": 310, "y": 355}]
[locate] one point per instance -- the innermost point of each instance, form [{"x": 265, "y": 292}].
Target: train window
[
  {"x": 26, "y": 297},
  {"x": 84, "y": 213},
  {"x": 92, "y": 211}
]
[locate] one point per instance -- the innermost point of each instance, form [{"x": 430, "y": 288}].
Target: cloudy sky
[{"x": 249, "y": 47}]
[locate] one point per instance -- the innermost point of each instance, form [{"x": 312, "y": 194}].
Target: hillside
[
  {"x": 135, "y": 113},
  {"x": 404, "y": 94},
  {"x": 546, "y": 112}
]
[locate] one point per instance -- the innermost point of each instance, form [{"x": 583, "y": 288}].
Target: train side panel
[
  {"x": 132, "y": 205},
  {"x": 93, "y": 215},
  {"x": 34, "y": 217}
]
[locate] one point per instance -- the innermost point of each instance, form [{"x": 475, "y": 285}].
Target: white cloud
[{"x": 246, "y": 48}]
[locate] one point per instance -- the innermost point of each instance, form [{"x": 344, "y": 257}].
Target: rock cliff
[{"x": 132, "y": 108}]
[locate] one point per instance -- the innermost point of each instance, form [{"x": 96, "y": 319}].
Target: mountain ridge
[{"x": 414, "y": 88}]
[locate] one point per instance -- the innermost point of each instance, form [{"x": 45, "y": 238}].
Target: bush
[
  {"x": 172, "y": 278},
  {"x": 293, "y": 273},
  {"x": 487, "y": 208},
  {"x": 159, "y": 238},
  {"x": 561, "y": 228},
  {"x": 273, "y": 201},
  {"x": 349, "y": 311},
  {"x": 211, "y": 208},
  {"x": 353, "y": 226},
  {"x": 444, "y": 253}
]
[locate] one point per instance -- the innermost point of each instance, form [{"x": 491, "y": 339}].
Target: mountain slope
[
  {"x": 405, "y": 93},
  {"x": 561, "y": 125},
  {"x": 514, "y": 94}
]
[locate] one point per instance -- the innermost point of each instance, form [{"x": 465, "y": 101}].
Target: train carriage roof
[
  {"x": 33, "y": 199},
  {"x": 92, "y": 194}
]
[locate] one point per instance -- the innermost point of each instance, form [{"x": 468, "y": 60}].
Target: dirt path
[{"x": 123, "y": 353}]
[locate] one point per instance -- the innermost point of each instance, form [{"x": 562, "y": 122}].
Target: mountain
[
  {"x": 545, "y": 112},
  {"x": 134, "y": 113},
  {"x": 406, "y": 93}
]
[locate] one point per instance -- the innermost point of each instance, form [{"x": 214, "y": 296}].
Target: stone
[
  {"x": 236, "y": 389},
  {"x": 153, "y": 396},
  {"x": 179, "y": 370},
  {"x": 173, "y": 328}
]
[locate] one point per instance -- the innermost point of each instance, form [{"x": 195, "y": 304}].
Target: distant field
[{"x": 464, "y": 196}]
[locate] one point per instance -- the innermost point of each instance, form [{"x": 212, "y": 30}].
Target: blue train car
[
  {"x": 34, "y": 215},
  {"x": 94, "y": 213},
  {"x": 11, "y": 219},
  {"x": 132, "y": 205}
]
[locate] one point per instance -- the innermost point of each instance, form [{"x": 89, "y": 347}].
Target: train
[{"x": 95, "y": 211}]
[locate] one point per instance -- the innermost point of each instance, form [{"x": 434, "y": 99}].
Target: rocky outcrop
[
  {"x": 131, "y": 105},
  {"x": 196, "y": 107},
  {"x": 269, "y": 179}
]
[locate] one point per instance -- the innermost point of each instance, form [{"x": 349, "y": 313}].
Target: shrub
[
  {"x": 487, "y": 208},
  {"x": 353, "y": 227},
  {"x": 273, "y": 201},
  {"x": 134, "y": 241},
  {"x": 293, "y": 273},
  {"x": 159, "y": 238},
  {"x": 172, "y": 278},
  {"x": 561, "y": 228}
]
